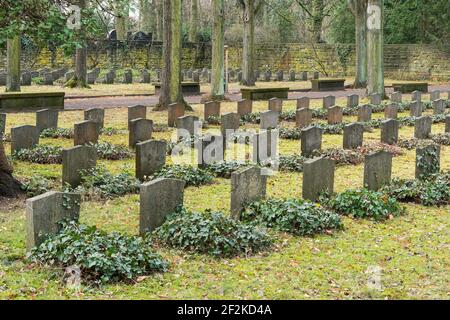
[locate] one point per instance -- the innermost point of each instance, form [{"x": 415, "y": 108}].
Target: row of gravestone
[
  {"x": 26, "y": 76},
  {"x": 162, "y": 196}
]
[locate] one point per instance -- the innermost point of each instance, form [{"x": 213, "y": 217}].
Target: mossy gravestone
[
  {"x": 334, "y": 115},
  {"x": 389, "y": 131},
  {"x": 422, "y": 127},
  {"x": 46, "y": 119},
  {"x": 45, "y": 212},
  {"x": 377, "y": 170},
  {"x": 375, "y": 99},
  {"x": 150, "y": 157},
  {"x": 269, "y": 120},
  {"x": 318, "y": 177},
  {"x": 229, "y": 123},
  {"x": 265, "y": 146},
  {"x": 74, "y": 160},
  {"x": 396, "y": 97},
  {"x": 427, "y": 161},
  {"x": 24, "y": 137},
  {"x": 391, "y": 111}
]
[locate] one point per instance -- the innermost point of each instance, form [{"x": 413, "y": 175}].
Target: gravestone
[
  {"x": 329, "y": 101},
  {"x": 3, "y": 76},
  {"x": 304, "y": 76},
  {"x": 195, "y": 76},
  {"x": 140, "y": 130},
  {"x": 2, "y": 124},
  {"x": 45, "y": 212},
  {"x": 416, "y": 96},
  {"x": 280, "y": 76},
  {"x": 158, "y": 198},
  {"x": 85, "y": 132},
  {"x": 74, "y": 161},
  {"x": 136, "y": 112},
  {"x": 447, "y": 123},
  {"x": 269, "y": 120},
  {"x": 318, "y": 177},
  {"x": 189, "y": 73},
  {"x": 174, "y": 111},
  {"x": 391, "y": 111},
  {"x": 97, "y": 115},
  {"x": 187, "y": 126},
  {"x": 428, "y": 160},
  {"x": 438, "y": 106},
  {"x": 316, "y": 75},
  {"x": 311, "y": 139},
  {"x": 396, "y": 97},
  {"x": 239, "y": 76},
  {"x": 389, "y": 131},
  {"x": 267, "y": 75},
  {"x": 334, "y": 115},
  {"x": 377, "y": 170},
  {"x": 128, "y": 77},
  {"x": 415, "y": 109},
  {"x": 353, "y": 136},
  {"x": 145, "y": 76},
  {"x": 110, "y": 77},
  {"x": 26, "y": 79},
  {"x": 422, "y": 127},
  {"x": 211, "y": 109},
  {"x": 276, "y": 104},
  {"x": 244, "y": 106},
  {"x": 24, "y": 137},
  {"x": 375, "y": 99},
  {"x": 303, "y": 117},
  {"x": 229, "y": 123},
  {"x": 435, "y": 95},
  {"x": 210, "y": 150},
  {"x": 91, "y": 77},
  {"x": 303, "y": 102},
  {"x": 46, "y": 119},
  {"x": 150, "y": 157},
  {"x": 265, "y": 146},
  {"x": 247, "y": 185},
  {"x": 68, "y": 76},
  {"x": 48, "y": 79},
  {"x": 352, "y": 100},
  {"x": 364, "y": 113},
  {"x": 292, "y": 75}
]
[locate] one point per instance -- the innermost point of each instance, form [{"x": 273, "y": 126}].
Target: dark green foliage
[
  {"x": 102, "y": 257},
  {"x": 192, "y": 176},
  {"x": 363, "y": 203},
  {"x": 293, "y": 163},
  {"x": 109, "y": 151},
  {"x": 224, "y": 169},
  {"x": 251, "y": 118},
  {"x": 290, "y": 133},
  {"x": 42, "y": 154},
  {"x": 37, "y": 185},
  {"x": 212, "y": 233},
  {"x": 57, "y": 133},
  {"x": 214, "y": 120},
  {"x": 295, "y": 216},
  {"x": 110, "y": 131}
]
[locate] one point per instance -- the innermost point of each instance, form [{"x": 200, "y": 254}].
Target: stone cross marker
[
  {"x": 247, "y": 185},
  {"x": 97, "y": 115},
  {"x": 158, "y": 198},
  {"x": 303, "y": 102},
  {"x": 318, "y": 177},
  {"x": 244, "y": 107},
  {"x": 396, "y": 97},
  {"x": 353, "y": 135},
  {"x": 276, "y": 104},
  {"x": 311, "y": 139},
  {"x": 269, "y": 120},
  {"x": 24, "y": 137},
  {"x": 334, "y": 115},
  {"x": 175, "y": 111},
  {"x": 389, "y": 131},
  {"x": 352, "y": 100},
  {"x": 140, "y": 130},
  {"x": 46, "y": 119},
  {"x": 150, "y": 157},
  {"x": 391, "y": 111},
  {"x": 375, "y": 99},
  {"x": 303, "y": 117},
  {"x": 438, "y": 106},
  {"x": 328, "y": 101},
  {"x": 364, "y": 113},
  {"x": 85, "y": 132},
  {"x": 229, "y": 121},
  {"x": 74, "y": 160},
  {"x": 422, "y": 127},
  {"x": 212, "y": 109},
  {"x": 46, "y": 211},
  {"x": 136, "y": 112},
  {"x": 2, "y": 124},
  {"x": 415, "y": 109},
  {"x": 428, "y": 160},
  {"x": 377, "y": 170}
]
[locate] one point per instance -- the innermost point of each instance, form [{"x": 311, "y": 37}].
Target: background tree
[
  {"x": 375, "y": 44},
  {"x": 193, "y": 21},
  {"x": 217, "y": 72},
  {"x": 13, "y": 64},
  {"x": 359, "y": 10},
  {"x": 121, "y": 16}
]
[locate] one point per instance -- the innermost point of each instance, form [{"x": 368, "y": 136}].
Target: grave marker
[
  {"x": 352, "y": 100},
  {"x": 303, "y": 102},
  {"x": 97, "y": 115},
  {"x": 244, "y": 106},
  {"x": 229, "y": 121},
  {"x": 136, "y": 112},
  {"x": 269, "y": 120},
  {"x": 311, "y": 139},
  {"x": 276, "y": 104},
  {"x": 150, "y": 157},
  {"x": 46, "y": 119},
  {"x": 24, "y": 137},
  {"x": 391, "y": 111},
  {"x": 428, "y": 160},
  {"x": 175, "y": 111},
  {"x": 353, "y": 136},
  {"x": 303, "y": 117},
  {"x": 140, "y": 130},
  {"x": 334, "y": 115},
  {"x": 415, "y": 109},
  {"x": 389, "y": 131},
  {"x": 85, "y": 132},
  {"x": 396, "y": 97},
  {"x": 364, "y": 113},
  {"x": 422, "y": 127},
  {"x": 76, "y": 159},
  {"x": 318, "y": 177},
  {"x": 438, "y": 106},
  {"x": 191, "y": 124},
  {"x": 377, "y": 170},
  {"x": 329, "y": 101},
  {"x": 211, "y": 109},
  {"x": 375, "y": 99},
  {"x": 210, "y": 149}
]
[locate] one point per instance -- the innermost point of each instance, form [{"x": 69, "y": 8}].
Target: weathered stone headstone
[
  {"x": 26, "y": 79},
  {"x": 212, "y": 109},
  {"x": 316, "y": 75},
  {"x": 229, "y": 122},
  {"x": 195, "y": 76},
  {"x": 334, "y": 115},
  {"x": 128, "y": 77},
  {"x": 24, "y": 137},
  {"x": 210, "y": 150},
  {"x": 187, "y": 126},
  {"x": 311, "y": 139},
  {"x": 174, "y": 111},
  {"x": 110, "y": 77},
  {"x": 48, "y": 79},
  {"x": 267, "y": 75},
  {"x": 377, "y": 170},
  {"x": 375, "y": 99},
  {"x": 389, "y": 131},
  {"x": 447, "y": 123},
  {"x": 438, "y": 106},
  {"x": 158, "y": 198},
  {"x": 239, "y": 76},
  {"x": 244, "y": 107},
  {"x": 46, "y": 119},
  {"x": 391, "y": 111},
  {"x": 415, "y": 109},
  {"x": 265, "y": 146},
  {"x": 303, "y": 102},
  {"x": 269, "y": 120},
  {"x": 416, "y": 96},
  {"x": 45, "y": 212},
  {"x": 303, "y": 117},
  {"x": 150, "y": 157},
  {"x": 91, "y": 77},
  {"x": 318, "y": 177},
  {"x": 85, "y": 132},
  {"x": 276, "y": 104},
  {"x": 364, "y": 113},
  {"x": 353, "y": 136},
  {"x": 2, "y": 124},
  {"x": 396, "y": 97},
  {"x": 75, "y": 160},
  {"x": 422, "y": 127},
  {"x": 435, "y": 95},
  {"x": 247, "y": 185},
  {"x": 97, "y": 115},
  {"x": 428, "y": 160},
  {"x": 280, "y": 76},
  {"x": 145, "y": 76},
  {"x": 292, "y": 75},
  {"x": 329, "y": 101},
  {"x": 3, "y": 76},
  {"x": 140, "y": 130},
  {"x": 136, "y": 112},
  {"x": 303, "y": 76},
  {"x": 68, "y": 76},
  {"x": 352, "y": 100}
]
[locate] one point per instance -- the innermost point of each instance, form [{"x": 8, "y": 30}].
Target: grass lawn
[{"x": 411, "y": 250}]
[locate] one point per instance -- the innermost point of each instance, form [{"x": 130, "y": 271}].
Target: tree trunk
[
  {"x": 248, "y": 76},
  {"x": 120, "y": 21},
  {"x": 9, "y": 187},
  {"x": 175, "y": 53},
  {"x": 13, "y": 65},
  {"x": 159, "y": 20},
  {"x": 375, "y": 64},
  {"x": 359, "y": 10},
  {"x": 193, "y": 21},
  {"x": 146, "y": 21},
  {"x": 317, "y": 19},
  {"x": 218, "y": 52},
  {"x": 164, "y": 96}
]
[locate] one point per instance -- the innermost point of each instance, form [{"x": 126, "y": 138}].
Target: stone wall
[{"x": 413, "y": 62}]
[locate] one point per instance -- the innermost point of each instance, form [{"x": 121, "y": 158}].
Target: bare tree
[{"x": 359, "y": 10}]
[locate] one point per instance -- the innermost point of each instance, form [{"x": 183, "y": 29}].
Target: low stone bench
[
  {"x": 264, "y": 93},
  {"x": 31, "y": 101},
  {"x": 409, "y": 87},
  {"x": 327, "y": 84},
  {"x": 189, "y": 88}
]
